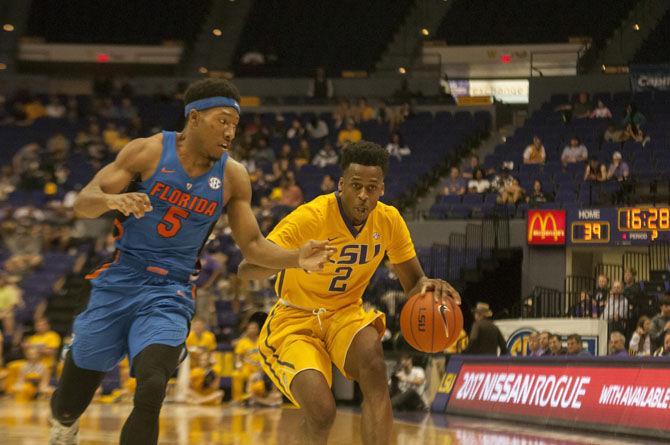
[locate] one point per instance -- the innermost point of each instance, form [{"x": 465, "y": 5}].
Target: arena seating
[
  {"x": 655, "y": 48},
  {"x": 481, "y": 22},
  {"x": 649, "y": 164},
  {"x": 331, "y": 28}
]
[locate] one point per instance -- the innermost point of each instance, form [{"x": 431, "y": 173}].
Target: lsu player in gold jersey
[{"x": 319, "y": 319}]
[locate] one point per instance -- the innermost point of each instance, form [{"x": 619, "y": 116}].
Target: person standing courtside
[{"x": 485, "y": 337}]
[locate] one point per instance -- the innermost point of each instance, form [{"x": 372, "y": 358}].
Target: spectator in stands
[
  {"x": 618, "y": 169},
  {"x": 555, "y": 346},
  {"x": 397, "y": 147},
  {"x": 582, "y": 107},
  {"x": 455, "y": 184},
  {"x": 205, "y": 381},
  {"x": 511, "y": 194},
  {"x": 659, "y": 321},
  {"x": 7, "y": 182},
  {"x": 617, "y": 308},
  {"x": 291, "y": 194},
  {"x": 10, "y": 299},
  {"x": 614, "y": 133},
  {"x": 128, "y": 110},
  {"x": 200, "y": 340},
  {"x": 536, "y": 196},
  {"x": 34, "y": 109},
  {"x": 633, "y": 291},
  {"x": 247, "y": 359},
  {"x": 664, "y": 349},
  {"x": 27, "y": 164},
  {"x": 595, "y": 170},
  {"x": 55, "y": 109},
  {"x": 45, "y": 341},
  {"x": 617, "y": 346},
  {"x": 535, "y": 153},
  {"x": 574, "y": 345},
  {"x": 633, "y": 123},
  {"x": 342, "y": 113},
  {"x": 479, "y": 184},
  {"x": 602, "y": 291},
  {"x": 485, "y": 337},
  {"x": 574, "y": 152},
  {"x": 469, "y": 167},
  {"x": 33, "y": 376},
  {"x": 264, "y": 153},
  {"x": 326, "y": 156},
  {"x": 544, "y": 342},
  {"x": 363, "y": 111},
  {"x": 534, "y": 348},
  {"x": 304, "y": 154},
  {"x": 503, "y": 179},
  {"x": 296, "y": 131},
  {"x": 317, "y": 128},
  {"x": 328, "y": 184},
  {"x": 348, "y": 134},
  {"x": 408, "y": 383},
  {"x": 601, "y": 111},
  {"x": 383, "y": 113},
  {"x": 586, "y": 307},
  {"x": 320, "y": 87},
  {"x": 640, "y": 341}
]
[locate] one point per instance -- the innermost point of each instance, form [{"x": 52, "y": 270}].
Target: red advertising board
[
  {"x": 598, "y": 395},
  {"x": 546, "y": 227}
]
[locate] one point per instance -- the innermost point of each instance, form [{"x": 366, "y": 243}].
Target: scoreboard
[{"x": 609, "y": 226}]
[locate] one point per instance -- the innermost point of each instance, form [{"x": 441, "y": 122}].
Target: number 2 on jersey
[
  {"x": 342, "y": 274},
  {"x": 171, "y": 222}
]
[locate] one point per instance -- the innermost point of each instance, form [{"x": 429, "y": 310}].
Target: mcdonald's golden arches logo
[{"x": 546, "y": 227}]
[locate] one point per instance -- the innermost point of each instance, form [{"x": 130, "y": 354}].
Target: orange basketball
[{"x": 427, "y": 325}]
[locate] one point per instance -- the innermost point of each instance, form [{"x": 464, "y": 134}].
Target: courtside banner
[
  {"x": 622, "y": 396},
  {"x": 546, "y": 227}
]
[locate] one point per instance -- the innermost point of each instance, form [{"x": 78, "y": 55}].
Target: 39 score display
[{"x": 590, "y": 232}]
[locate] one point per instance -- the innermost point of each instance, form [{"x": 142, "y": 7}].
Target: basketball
[{"x": 429, "y": 326}]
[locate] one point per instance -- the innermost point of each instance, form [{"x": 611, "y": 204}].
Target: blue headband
[{"x": 211, "y": 102}]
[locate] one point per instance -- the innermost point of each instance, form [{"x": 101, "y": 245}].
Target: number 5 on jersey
[{"x": 170, "y": 225}]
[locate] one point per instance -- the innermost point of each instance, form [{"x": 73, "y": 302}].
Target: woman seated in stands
[
  {"x": 595, "y": 170},
  {"x": 536, "y": 196},
  {"x": 511, "y": 193},
  {"x": 478, "y": 184},
  {"x": 640, "y": 341},
  {"x": 601, "y": 111},
  {"x": 32, "y": 380}
]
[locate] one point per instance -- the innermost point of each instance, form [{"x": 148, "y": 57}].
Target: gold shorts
[{"x": 293, "y": 340}]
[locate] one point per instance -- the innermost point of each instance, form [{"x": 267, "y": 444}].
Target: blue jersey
[{"x": 169, "y": 238}]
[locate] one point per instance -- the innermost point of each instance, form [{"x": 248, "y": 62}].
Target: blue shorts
[{"x": 130, "y": 309}]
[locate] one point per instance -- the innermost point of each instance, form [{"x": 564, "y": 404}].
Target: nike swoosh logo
[{"x": 165, "y": 170}]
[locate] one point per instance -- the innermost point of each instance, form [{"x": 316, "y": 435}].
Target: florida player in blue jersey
[{"x": 142, "y": 302}]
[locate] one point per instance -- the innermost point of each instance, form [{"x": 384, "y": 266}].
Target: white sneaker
[{"x": 64, "y": 435}]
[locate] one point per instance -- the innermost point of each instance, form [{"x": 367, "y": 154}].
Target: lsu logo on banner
[
  {"x": 546, "y": 227},
  {"x": 517, "y": 343},
  {"x": 447, "y": 383}
]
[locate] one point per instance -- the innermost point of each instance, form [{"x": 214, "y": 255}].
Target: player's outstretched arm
[
  {"x": 414, "y": 281},
  {"x": 247, "y": 271},
  {"x": 256, "y": 249},
  {"x": 104, "y": 192}
]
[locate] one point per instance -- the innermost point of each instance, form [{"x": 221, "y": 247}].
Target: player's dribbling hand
[
  {"x": 441, "y": 290},
  {"x": 136, "y": 204},
  {"x": 314, "y": 255}
]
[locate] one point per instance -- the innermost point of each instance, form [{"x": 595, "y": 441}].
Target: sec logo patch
[{"x": 214, "y": 183}]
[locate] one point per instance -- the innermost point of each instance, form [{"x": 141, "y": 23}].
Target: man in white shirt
[
  {"x": 575, "y": 152},
  {"x": 410, "y": 387}
]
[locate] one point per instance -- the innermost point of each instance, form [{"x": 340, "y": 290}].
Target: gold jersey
[{"x": 359, "y": 252}]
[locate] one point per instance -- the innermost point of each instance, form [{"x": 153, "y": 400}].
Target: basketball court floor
[{"x": 27, "y": 424}]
